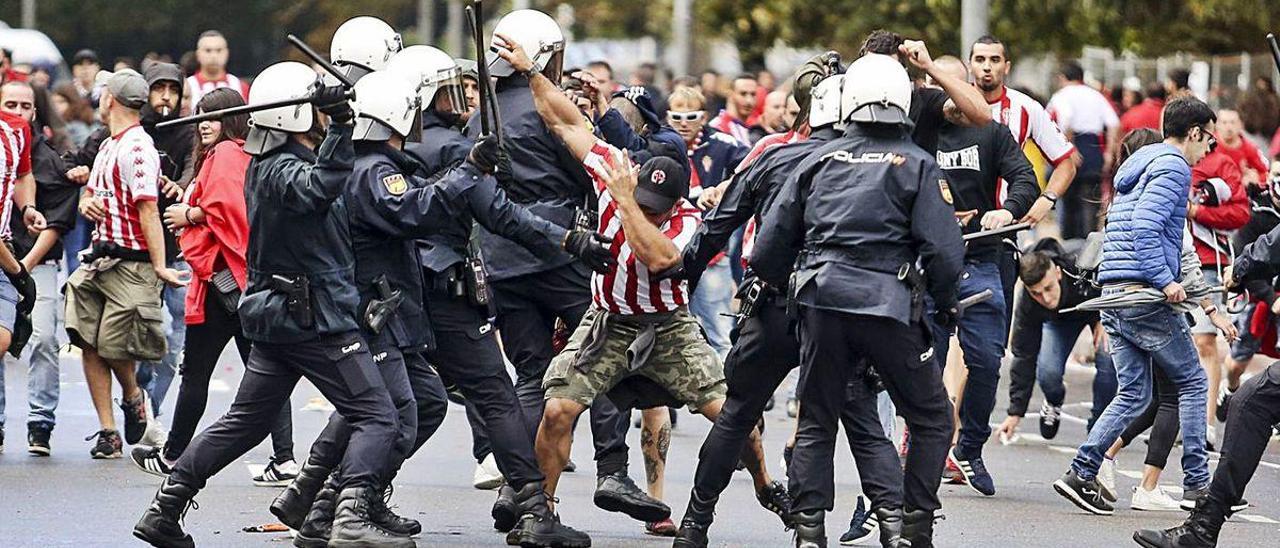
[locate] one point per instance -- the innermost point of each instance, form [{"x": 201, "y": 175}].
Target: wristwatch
[{"x": 1050, "y": 195}]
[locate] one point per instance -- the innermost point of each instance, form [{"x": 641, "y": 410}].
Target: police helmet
[
  {"x": 283, "y": 80},
  {"x": 385, "y": 103},
  {"x": 876, "y": 90},
  {"x": 433, "y": 71},
  {"x": 825, "y": 102},
  {"x": 536, "y": 32},
  {"x": 363, "y": 44}
]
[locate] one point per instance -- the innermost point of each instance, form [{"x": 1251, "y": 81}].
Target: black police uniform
[
  {"x": 388, "y": 207},
  {"x": 299, "y": 309},
  {"x": 765, "y": 349},
  {"x": 860, "y": 207},
  {"x": 532, "y": 290}
]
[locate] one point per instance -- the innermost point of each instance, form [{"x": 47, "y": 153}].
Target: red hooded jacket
[
  {"x": 223, "y": 238},
  {"x": 1225, "y": 217}
]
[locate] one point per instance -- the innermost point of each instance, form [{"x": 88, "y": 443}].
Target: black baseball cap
[
  {"x": 661, "y": 183},
  {"x": 85, "y": 56}
]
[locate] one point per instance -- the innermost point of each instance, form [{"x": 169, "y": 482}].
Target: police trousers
[
  {"x": 342, "y": 368},
  {"x": 528, "y": 307},
  {"x": 1254, "y": 408},
  {"x": 763, "y": 353},
  {"x": 419, "y": 399},
  {"x": 834, "y": 349},
  {"x": 468, "y": 356}
]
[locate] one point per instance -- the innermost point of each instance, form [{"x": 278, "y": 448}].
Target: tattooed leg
[{"x": 655, "y": 438}]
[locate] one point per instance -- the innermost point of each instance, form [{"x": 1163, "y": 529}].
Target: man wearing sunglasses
[
  {"x": 1218, "y": 206},
  {"x": 1142, "y": 249}
]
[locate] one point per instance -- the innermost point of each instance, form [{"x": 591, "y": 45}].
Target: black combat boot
[
  {"x": 505, "y": 512},
  {"x": 697, "y": 520},
  {"x": 811, "y": 531},
  {"x": 292, "y": 505},
  {"x": 314, "y": 532},
  {"x": 917, "y": 528},
  {"x": 891, "y": 528},
  {"x": 385, "y": 518},
  {"x": 1199, "y": 531},
  {"x": 618, "y": 493},
  {"x": 353, "y": 524},
  {"x": 161, "y": 524},
  {"x": 538, "y": 526}
]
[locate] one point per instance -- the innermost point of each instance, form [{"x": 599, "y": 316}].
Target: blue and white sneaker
[
  {"x": 864, "y": 524},
  {"x": 975, "y": 474}
]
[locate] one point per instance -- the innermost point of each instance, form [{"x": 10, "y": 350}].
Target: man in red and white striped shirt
[
  {"x": 639, "y": 325},
  {"x": 17, "y": 184},
  {"x": 113, "y": 298}
]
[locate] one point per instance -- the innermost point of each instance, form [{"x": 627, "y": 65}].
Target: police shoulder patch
[
  {"x": 395, "y": 184},
  {"x": 945, "y": 187}
]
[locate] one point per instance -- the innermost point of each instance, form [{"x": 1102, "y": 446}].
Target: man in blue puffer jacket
[{"x": 1142, "y": 248}]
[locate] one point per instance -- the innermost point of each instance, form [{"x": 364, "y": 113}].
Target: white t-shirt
[{"x": 1081, "y": 109}]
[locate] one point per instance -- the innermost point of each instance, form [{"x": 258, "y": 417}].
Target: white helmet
[
  {"x": 364, "y": 42},
  {"x": 535, "y": 31},
  {"x": 876, "y": 89},
  {"x": 283, "y": 80},
  {"x": 825, "y": 102},
  {"x": 432, "y": 70},
  {"x": 385, "y": 102}
]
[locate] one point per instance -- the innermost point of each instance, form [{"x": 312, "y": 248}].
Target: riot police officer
[
  {"x": 299, "y": 309},
  {"x": 850, "y": 301},
  {"x": 532, "y": 291},
  {"x": 467, "y": 351},
  {"x": 362, "y": 45}
]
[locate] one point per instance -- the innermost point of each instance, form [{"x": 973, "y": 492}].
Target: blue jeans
[
  {"x": 1059, "y": 337},
  {"x": 155, "y": 377},
  {"x": 75, "y": 241},
  {"x": 711, "y": 305},
  {"x": 42, "y": 351},
  {"x": 981, "y": 331},
  {"x": 1140, "y": 337}
]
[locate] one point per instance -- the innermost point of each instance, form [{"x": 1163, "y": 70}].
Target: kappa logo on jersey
[
  {"x": 866, "y": 158},
  {"x": 395, "y": 184},
  {"x": 965, "y": 158},
  {"x": 658, "y": 176}
]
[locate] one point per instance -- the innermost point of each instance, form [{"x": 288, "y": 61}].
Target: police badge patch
[
  {"x": 395, "y": 184},
  {"x": 945, "y": 187}
]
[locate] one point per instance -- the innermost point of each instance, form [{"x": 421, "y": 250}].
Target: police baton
[
  {"x": 974, "y": 299},
  {"x": 995, "y": 232},
  {"x": 490, "y": 120},
  {"x": 321, "y": 61},
  {"x": 233, "y": 111}
]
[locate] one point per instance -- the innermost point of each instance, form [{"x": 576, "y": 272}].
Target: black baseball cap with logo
[{"x": 661, "y": 183}]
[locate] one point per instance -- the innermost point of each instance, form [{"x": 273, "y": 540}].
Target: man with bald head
[
  {"x": 991, "y": 185},
  {"x": 773, "y": 118}
]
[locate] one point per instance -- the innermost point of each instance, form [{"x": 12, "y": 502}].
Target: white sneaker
[
  {"x": 155, "y": 435},
  {"x": 1107, "y": 478},
  {"x": 1155, "y": 500},
  {"x": 277, "y": 474},
  {"x": 487, "y": 475}
]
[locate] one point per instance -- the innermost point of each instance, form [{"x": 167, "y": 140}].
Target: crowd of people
[{"x": 675, "y": 241}]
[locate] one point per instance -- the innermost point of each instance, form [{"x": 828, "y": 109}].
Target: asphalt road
[{"x": 70, "y": 500}]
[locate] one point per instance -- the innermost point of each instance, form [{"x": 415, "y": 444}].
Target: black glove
[
  {"x": 589, "y": 246},
  {"x": 332, "y": 101},
  {"x": 946, "y": 318},
  {"x": 485, "y": 154},
  {"x": 22, "y": 329},
  {"x": 26, "y": 286}
]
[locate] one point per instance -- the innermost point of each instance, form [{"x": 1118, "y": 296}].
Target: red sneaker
[{"x": 664, "y": 528}]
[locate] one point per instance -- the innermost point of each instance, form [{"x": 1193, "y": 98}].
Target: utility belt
[
  {"x": 111, "y": 250},
  {"x": 380, "y": 310},
  {"x": 468, "y": 280},
  {"x": 882, "y": 259},
  {"x": 753, "y": 297},
  {"x": 297, "y": 292}
]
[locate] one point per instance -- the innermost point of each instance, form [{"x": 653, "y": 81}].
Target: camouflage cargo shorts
[{"x": 680, "y": 359}]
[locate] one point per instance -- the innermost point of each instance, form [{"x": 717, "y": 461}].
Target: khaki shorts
[
  {"x": 680, "y": 361},
  {"x": 113, "y": 306}
]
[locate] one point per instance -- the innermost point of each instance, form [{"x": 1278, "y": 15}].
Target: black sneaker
[
  {"x": 863, "y": 526},
  {"x": 150, "y": 460},
  {"x": 618, "y": 493},
  {"x": 1085, "y": 494},
  {"x": 1224, "y": 399},
  {"x": 1050, "y": 420},
  {"x": 975, "y": 474},
  {"x": 37, "y": 439},
  {"x": 135, "y": 417},
  {"x": 108, "y": 445},
  {"x": 1189, "y": 498},
  {"x": 775, "y": 498}
]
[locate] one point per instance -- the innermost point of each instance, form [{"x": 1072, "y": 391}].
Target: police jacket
[
  {"x": 442, "y": 146},
  {"x": 538, "y": 173},
  {"x": 389, "y": 207},
  {"x": 298, "y": 229},
  {"x": 749, "y": 195},
  {"x": 857, "y": 209},
  {"x": 1029, "y": 318},
  {"x": 56, "y": 198},
  {"x": 987, "y": 171}
]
